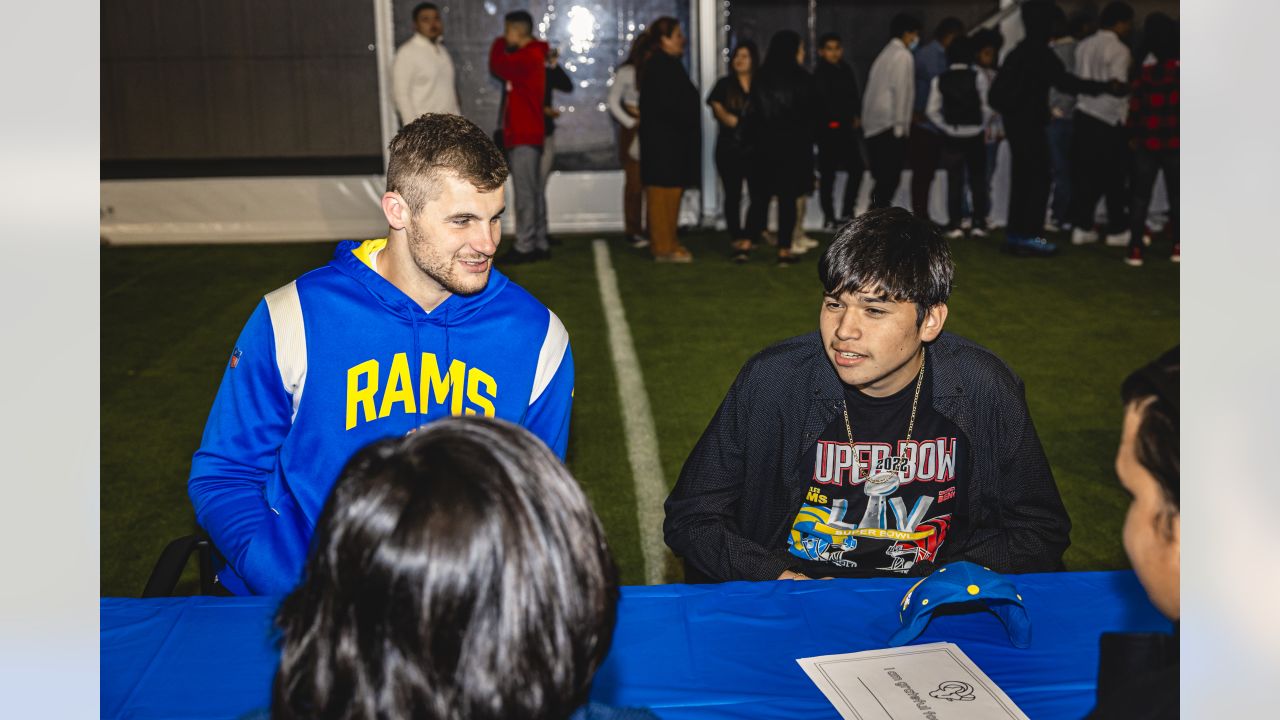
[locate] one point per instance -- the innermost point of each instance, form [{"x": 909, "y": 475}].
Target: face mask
[{"x": 914, "y": 44}]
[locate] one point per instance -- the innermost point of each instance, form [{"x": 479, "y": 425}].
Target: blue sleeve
[
  {"x": 238, "y": 453},
  {"x": 548, "y": 416}
]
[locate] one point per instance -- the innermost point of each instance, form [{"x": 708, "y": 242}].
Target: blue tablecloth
[{"x": 687, "y": 651}]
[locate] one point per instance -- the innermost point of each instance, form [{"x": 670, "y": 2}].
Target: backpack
[{"x": 960, "y": 102}]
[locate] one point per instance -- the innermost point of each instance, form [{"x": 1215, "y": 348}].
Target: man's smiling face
[{"x": 453, "y": 239}]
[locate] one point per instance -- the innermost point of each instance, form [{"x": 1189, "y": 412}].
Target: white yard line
[{"x": 637, "y": 420}]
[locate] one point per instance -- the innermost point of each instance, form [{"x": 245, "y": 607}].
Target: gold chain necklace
[{"x": 915, "y": 403}]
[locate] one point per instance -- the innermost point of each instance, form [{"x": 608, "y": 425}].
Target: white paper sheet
[{"x": 936, "y": 681}]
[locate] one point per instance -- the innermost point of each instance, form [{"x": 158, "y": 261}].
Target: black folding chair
[{"x": 168, "y": 569}]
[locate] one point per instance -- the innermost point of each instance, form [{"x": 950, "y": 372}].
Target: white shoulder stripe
[
  {"x": 291, "y": 340},
  {"x": 549, "y": 357}
]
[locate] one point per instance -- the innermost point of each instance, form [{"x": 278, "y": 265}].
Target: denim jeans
[{"x": 1060, "y": 130}]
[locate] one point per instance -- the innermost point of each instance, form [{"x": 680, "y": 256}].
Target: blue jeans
[{"x": 1060, "y": 131}]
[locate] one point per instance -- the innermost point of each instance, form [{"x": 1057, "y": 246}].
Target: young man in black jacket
[
  {"x": 839, "y": 117},
  {"x": 879, "y": 445}
]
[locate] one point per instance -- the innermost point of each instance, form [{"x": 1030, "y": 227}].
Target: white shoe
[
  {"x": 799, "y": 249},
  {"x": 805, "y": 242},
  {"x": 978, "y": 232},
  {"x": 954, "y": 234},
  {"x": 1080, "y": 236},
  {"x": 1120, "y": 239},
  {"x": 1051, "y": 226}
]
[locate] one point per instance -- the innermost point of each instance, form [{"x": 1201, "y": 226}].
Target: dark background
[{"x": 201, "y": 88}]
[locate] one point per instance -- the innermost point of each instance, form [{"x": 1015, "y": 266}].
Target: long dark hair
[
  {"x": 658, "y": 29},
  {"x": 774, "y": 90},
  {"x": 456, "y": 573},
  {"x": 640, "y": 48},
  {"x": 736, "y": 98}
]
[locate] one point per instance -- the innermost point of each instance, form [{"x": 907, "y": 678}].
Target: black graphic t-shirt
[{"x": 886, "y": 503}]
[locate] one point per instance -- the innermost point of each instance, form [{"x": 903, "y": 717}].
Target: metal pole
[
  {"x": 384, "y": 51},
  {"x": 708, "y": 24}
]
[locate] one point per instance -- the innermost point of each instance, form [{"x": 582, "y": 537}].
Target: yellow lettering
[
  {"x": 475, "y": 378},
  {"x": 436, "y": 387},
  {"x": 399, "y": 387},
  {"x": 363, "y": 397}
]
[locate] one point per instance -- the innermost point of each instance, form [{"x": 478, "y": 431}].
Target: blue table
[{"x": 687, "y": 651}]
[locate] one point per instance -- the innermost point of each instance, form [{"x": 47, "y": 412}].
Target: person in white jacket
[
  {"x": 886, "y": 108},
  {"x": 422, "y": 76},
  {"x": 957, "y": 106}
]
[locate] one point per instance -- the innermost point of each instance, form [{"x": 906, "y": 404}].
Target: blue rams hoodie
[{"x": 340, "y": 358}]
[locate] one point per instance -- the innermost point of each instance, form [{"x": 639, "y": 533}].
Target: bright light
[{"x": 582, "y": 29}]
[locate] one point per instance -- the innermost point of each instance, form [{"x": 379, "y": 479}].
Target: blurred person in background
[
  {"x": 728, "y": 100},
  {"x": 520, "y": 62},
  {"x": 670, "y": 138},
  {"x": 1020, "y": 93},
  {"x": 1064, "y": 35},
  {"x": 958, "y": 108},
  {"x": 410, "y": 607},
  {"x": 1138, "y": 672},
  {"x": 986, "y": 53},
  {"x": 557, "y": 79},
  {"x": 886, "y": 108},
  {"x": 422, "y": 76},
  {"x": 1153, "y": 121},
  {"x": 624, "y": 106},
  {"x": 1100, "y": 157},
  {"x": 839, "y": 123},
  {"x": 925, "y": 144},
  {"x": 780, "y": 120}
]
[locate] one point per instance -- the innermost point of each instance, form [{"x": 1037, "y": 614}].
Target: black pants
[
  {"x": 887, "y": 155},
  {"x": 1029, "y": 184},
  {"x": 1099, "y": 167},
  {"x": 1146, "y": 163},
  {"x": 764, "y": 185},
  {"x": 959, "y": 154},
  {"x": 838, "y": 150},
  {"x": 926, "y": 152},
  {"x": 732, "y": 167}
]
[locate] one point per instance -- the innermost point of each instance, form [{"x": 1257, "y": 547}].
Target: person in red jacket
[{"x": 520, "y": 62}]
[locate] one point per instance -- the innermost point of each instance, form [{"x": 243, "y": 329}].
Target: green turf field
[{"x": 1072, "y": 327}]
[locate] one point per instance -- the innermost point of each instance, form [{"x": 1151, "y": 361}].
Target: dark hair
[
  {"x": 893, "y": 251},
  {"x": 639, "y": 51},
  {"x": 986, "y": 38},
  {"x": 1115, "y": 12},
  {"x": 663, "y": 27},
  {"x": 520, "y": 18},
  {"x": 752, "y": 50},
  {"x": 423, "y": 6},
  {"x": 827, "y": 37},
  {"x": 1160, "y": 36},
  {"x": 783, "y": 48},
  {"x": 948, "y": 26},
  {"x": 436, "y": 142},
  {"x": 961, "y": 50},
  {"x": 903, "y": 23},
  {"x": 1058, "y": 26},
  {"x": 1037, "y": 17},
  {"x": 1154, "y": 389},
  {"x": 658, "y": 29},
  {"x": 1079, "y": 24},
  {"x": 458, "y": 572}
]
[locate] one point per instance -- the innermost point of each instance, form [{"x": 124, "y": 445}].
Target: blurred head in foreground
[
  {"x": 1147, "y": 465},
  {"x": 458, "y": 572}
]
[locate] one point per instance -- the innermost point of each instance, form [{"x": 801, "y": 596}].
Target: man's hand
[{"x": 788, "y": 575}]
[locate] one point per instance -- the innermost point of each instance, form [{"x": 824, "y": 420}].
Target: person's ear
[
  {"x": 934, "y": 318},
  {"x": 396, "y": 210}
]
